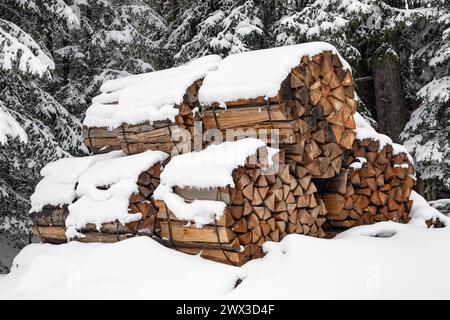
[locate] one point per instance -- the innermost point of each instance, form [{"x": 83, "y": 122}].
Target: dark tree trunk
[{"x": 391, "y": 110}]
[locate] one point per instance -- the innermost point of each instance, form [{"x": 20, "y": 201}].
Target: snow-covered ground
[
  {"x": 7, "y": 254},
  {"x": 385, "y": 260}
]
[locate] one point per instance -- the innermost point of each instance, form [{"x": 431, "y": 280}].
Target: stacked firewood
[
  {"x": 263, "y": 206},
  {"x": 158, "y": 135},
  {"x": 100, "y": 140},
  {"x": 323, "y": 96},
  {"x": 49, "y": 223},
  {"x": 312, "y": 112},
  {"x": 376, "y": 189}
]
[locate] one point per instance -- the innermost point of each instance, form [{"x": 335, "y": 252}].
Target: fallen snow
[
  {"x": 439, "y": 203},
  {"x": 60, "y": 178},
  {"x": 386, "y": 260},
  {"x": 355, "y": 265},
  {"x": 146, "y": 97},
  {"x": 365, "y": 131},
  {"x": 209, "y": 168},
  {"x": 200, "y": 211},
  {"x": 359, "y": 164},
  {"x": 119, "y": 176},
  {"x": 257, "y": 73},
  {"x": 137, "y": 268},
  {"x": 421, "y": 211}
]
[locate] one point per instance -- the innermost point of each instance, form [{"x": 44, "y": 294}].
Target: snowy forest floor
[
  {"x": 9, "y": 248},
  {"x": 385, "y": 260}
]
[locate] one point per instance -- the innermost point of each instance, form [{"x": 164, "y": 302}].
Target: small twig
[{"x": 368, "y": 78}]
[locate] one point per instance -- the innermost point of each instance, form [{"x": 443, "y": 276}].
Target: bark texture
[{"x": 389, "y": 97}]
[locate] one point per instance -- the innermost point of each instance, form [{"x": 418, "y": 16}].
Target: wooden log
[
  {"x": 206, "y": 234},
  {"x": 238, "y": 117}
]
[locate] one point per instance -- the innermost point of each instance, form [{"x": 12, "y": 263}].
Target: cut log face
[
  {"x": 378, "y": 191},
  {"x": 268, "y": 211}
]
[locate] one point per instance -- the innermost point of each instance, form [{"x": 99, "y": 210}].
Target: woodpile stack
[
  {"x": 263, "y": 206},
  {"x": 158, "y": 135},
  {"x": 49, "y": 224},
  {"x": 313, "y": 113},
  {"x": 100, "y": 140},
  {"x": 323, "y": 95},
  {"x": 317, "y": 188},
  {"x": 377, "y": 191}
]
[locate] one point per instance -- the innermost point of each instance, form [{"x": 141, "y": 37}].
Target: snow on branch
[
  {"x": 17, "y": 46},
  {"x": 9, "y": 127}
]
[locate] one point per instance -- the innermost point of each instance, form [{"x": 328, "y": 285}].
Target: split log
[{"x": 377, "y": 191}]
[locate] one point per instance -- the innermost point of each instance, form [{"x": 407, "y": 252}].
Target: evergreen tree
[
  {"x": 116, "y": 38},
  {"x": 427, "y": 134},
  {"x": 41, "y": 129},
  {"x": 216, "y": 27}
]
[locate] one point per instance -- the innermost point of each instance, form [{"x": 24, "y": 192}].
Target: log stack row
[
  {"x": 376, "y": 189},
  {"x": 263, "y": 206},
  {"x": 323, "y": 96},
  {"x": 49, "y": 223},
  {"x": 158, "y": 135}
]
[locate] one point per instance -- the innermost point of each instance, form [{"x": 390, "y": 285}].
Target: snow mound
[
  {"x": 60, "y": 178},
  {"x": 359, "y": 264},
  {"x": 119, "y": 176},
  {"x": 146, "y": 97},
  {"x": 209, "y": 168},
  {"x": 257, "y": 73},
  {"x": 107, "y": 271},
  {"x": 421, "y": 211}
]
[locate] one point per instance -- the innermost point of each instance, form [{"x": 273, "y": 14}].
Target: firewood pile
[
  {"x": 264, "y": 205},
  {"x": 158, "y": 135},
  {"x": 326, "y": 180},
  {"x": 313, "y": 115},
  {"x": 376, "y": 189},
  {"x": 49, "y": 223}
]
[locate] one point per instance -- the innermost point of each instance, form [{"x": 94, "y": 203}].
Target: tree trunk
[{"x": 389, "y": 97}]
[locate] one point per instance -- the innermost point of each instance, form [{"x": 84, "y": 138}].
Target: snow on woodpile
[
  {"x": 146, "y": 97},
  {"x": 422, "y": 211},
  {"x": 209, "y": 168},
  {"x": 104, "y": 191},
  {"x": 257, "y": 73},
  {"x": 365, "y": 131},
  {"x": 60, "y": 178}
]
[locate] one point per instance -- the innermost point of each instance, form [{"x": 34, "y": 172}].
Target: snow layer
[
  {"x": 146, "y": 97},
  {"x": 257, "y": 73},
  {"x": 365, "y": 131},
  {"x": 209, "y": 168},
  {"x": 421, "y": 211},
  {"x": 120, "y": 176},
  {"x": 18, "y": 47},
  {"x": 359, "y": 164},
  {"x": 386, "y": 260},
  {"x": 436, "y": 90},
  {"x": 105, "y": 271},
  {"x": 60, "y": 178},
  {"x": 10, "y": 128}
]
